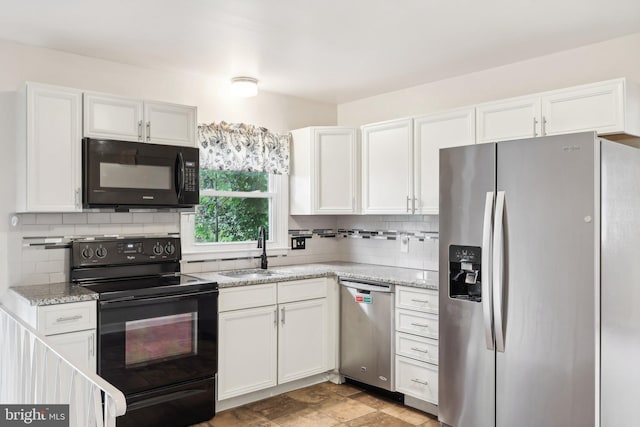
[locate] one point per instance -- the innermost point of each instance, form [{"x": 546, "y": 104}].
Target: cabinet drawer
[
  {"x": 416, "y": 347},
  {"x": 246, "y": 297},
  {"x": 417, "y": 323},
  {"x": 417, "y": 299},
  {"x": 61, "y": 318},
  {"x": 417, "y": 379},
  {"x": 299, "y": 290}
]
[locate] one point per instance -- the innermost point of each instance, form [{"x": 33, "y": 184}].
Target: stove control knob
[
  {"x": 101, "y": 252},
  {"x": 157, "y": 249},
  {"x": 169, "y": 248},
  {"x": 87, "y": 253}
]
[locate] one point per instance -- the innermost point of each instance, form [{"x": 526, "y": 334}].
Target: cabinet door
[
  {"x": 335, "y": 170},
  {"x": 511, "y": 119},
  {"x": 170, "y": 124},
  {"x": 303, "y": 341},
  {"x": 78, "y": 347},
  {"x": 247, "y": 351},
  {"x": 54, "y": 135},
  {"x": 387, "y": 168},
  {"x": 112, "y": 117},
  {"x": 597, "y": 107},
  {"x": 431, "y": 133}
]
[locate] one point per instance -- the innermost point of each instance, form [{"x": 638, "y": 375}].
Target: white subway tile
[
  {"x": 27, "y": 219},
  {"x": 191, "y": 267},
  {"x": 49, "y": 218},
  {"x": 36, "y": 279},
  {"x": 143, "y": 217},
  {"x": 166, "y": 218},
  {"x": 58, "y": 254},
  {"x": 74, "y": 218},
  {"x": 132, "y": 229},
  {"x": 121, "y": 217},
  {"x": 58, "y": 277},
  {"x": 110, "y": 229},
  {"x": 35, "y": 254},
  {"x": 50, "y": 266},
  {"x": 98, "y": 218},
  {"x": 35, "y": 230}
]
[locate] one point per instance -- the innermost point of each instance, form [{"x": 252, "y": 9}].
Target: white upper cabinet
[
  {"x": 431, "y": 133},
  {"x": 170, "y": 124},
  {"x": 114, "y": 117},
  {"x": 608, "y": 107},
  {"x": 387, "y": 167},
  {"x": 512, "y": 119},
  {"x": 324, "y": 171},
  {"x": 49, "y": 147}
]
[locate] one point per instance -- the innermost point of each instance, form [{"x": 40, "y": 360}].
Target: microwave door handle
[{"x": 180, "y": 175}]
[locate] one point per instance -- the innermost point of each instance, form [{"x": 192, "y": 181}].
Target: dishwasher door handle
[{"x": 366, "y": 287}]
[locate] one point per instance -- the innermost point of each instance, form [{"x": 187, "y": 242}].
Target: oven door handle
[{"x": 132, "y": 300}]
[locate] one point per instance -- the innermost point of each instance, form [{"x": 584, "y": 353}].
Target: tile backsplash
[
  {"x": 31, "y": 264},
  {"x": 371, "y": 239}
]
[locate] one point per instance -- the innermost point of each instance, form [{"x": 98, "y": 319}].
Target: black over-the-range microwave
[{"x": 123, "y": 175}]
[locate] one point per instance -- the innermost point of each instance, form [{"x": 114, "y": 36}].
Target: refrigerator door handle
[
  {"x": 498, "y": 270},
  {"x": 487, "y": 303}
]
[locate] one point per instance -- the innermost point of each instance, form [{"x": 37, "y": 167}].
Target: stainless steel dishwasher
[{"x": 366, "y": 332}]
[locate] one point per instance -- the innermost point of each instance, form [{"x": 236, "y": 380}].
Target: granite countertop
[
  {"x": 60, "y": 293},
  {"x": 54, "y": 293},
  {"x": 425, "y": 279}
]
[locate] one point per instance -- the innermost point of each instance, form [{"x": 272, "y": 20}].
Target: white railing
[{"x": 32, "y": 372}]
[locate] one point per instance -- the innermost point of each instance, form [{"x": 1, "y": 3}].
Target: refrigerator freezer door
[
  {"x": 467, "y": 367},
  {"x": 546, "y": 375}
]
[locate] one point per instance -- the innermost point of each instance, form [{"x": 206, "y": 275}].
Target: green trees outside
[{"x": 231, "y": 218}]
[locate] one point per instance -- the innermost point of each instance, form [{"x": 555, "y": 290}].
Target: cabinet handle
[
  {"x": 148, "y": 131},
  {"x": 415, "y": 380},
  {"x": 419, "y": 349},
  {"x": 544, "y": 126},
  {"x": 282, "y": 315},
  {"x": 275, "y": 317},
  {"x": 422, "y": 301},
  {"x": 77, "y": 197},
  {"x": 140, "y": 130},
  {"x": 91, "y": 346},
  {"x": 408, "y": 198},
  {"x": 420, "y": 325},
  {"x": 535, "y": 127},
  {"x": 69, "y": 318},
  {"x": 413, "y": 204}
]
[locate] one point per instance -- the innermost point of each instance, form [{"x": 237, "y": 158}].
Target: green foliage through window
[{"x": 221, "y": 218}]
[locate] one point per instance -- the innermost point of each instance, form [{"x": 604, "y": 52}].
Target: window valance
[{"x": 243, "y": 147}]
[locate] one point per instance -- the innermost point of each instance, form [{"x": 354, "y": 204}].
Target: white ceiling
[{"x": 326, "y": 50}]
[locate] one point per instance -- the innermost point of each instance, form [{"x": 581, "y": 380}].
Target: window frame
[{"x": 278, "y": 226}]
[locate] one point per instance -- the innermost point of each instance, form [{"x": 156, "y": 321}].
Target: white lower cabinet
[
  {"x": 416, "y": 346},
  {"x": 247, "y": 351},
  {"x": 78, "y": 347},
  {"x": 417, "y": 379},
  {"x": 303, "y": 339},
  {"x": 272, "y": 334}
]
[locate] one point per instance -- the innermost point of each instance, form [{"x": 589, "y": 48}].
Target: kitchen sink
[{"x": 250, "y": 274}]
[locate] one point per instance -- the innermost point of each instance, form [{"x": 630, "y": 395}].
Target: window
[{"x": 232, "y": 207}]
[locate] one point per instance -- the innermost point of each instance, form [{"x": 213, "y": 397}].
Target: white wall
[
  {"x": 20, "y": 63},
  {"x": 614, "y": 58}
]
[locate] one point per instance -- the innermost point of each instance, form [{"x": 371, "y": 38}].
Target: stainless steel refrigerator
[{"x": 540, "y": 283}]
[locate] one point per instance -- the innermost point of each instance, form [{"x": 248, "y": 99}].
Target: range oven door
[
  {"x": 149, "y": 343},
  {"x": 120, "y": 173}
]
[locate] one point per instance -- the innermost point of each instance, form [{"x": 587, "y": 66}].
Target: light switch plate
[
  {"x": 298, "y": 243},
  {"x": 404, "y": 244}
]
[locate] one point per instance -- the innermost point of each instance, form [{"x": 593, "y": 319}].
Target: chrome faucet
[{"x": 262, "y": 243}]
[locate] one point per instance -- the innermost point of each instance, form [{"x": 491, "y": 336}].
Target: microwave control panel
[{"x": 190, "y": 176}]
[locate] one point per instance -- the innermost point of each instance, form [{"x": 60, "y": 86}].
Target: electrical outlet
[
  {"x": 404, "y": 244},
  {"x": 298, "y": 243}
]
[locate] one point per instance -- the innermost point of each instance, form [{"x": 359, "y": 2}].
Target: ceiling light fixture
[{"x": 244, "y": 86}]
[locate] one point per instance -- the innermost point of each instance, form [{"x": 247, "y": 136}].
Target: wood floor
[{"x": 323, "y": 405}]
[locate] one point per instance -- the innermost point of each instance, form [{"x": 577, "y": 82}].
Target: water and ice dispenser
[{"x": 465, "y": 274}]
